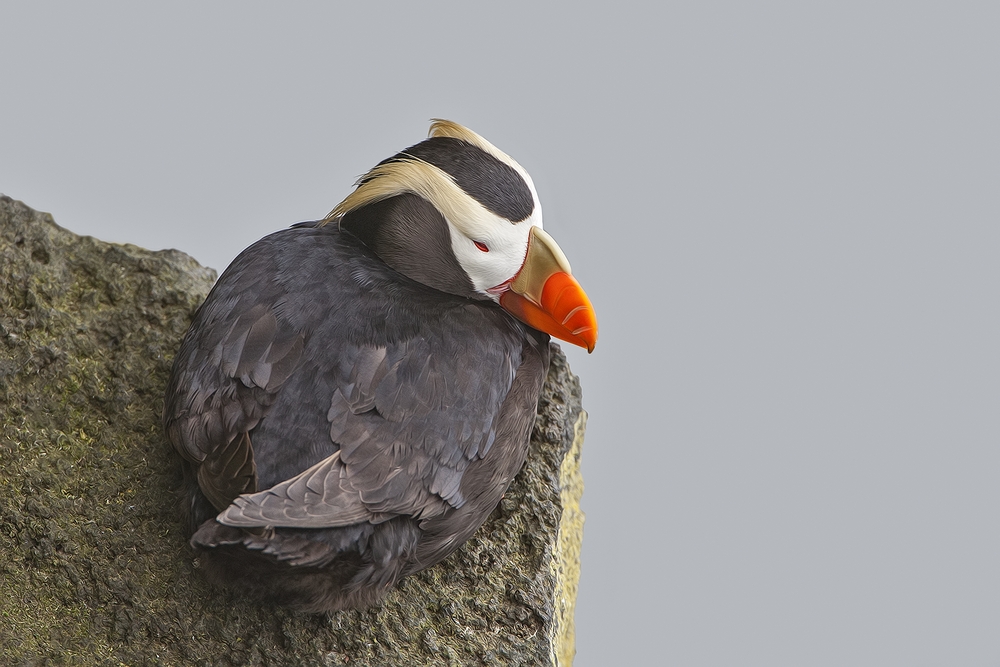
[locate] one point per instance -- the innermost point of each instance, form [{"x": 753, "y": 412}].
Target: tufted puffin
[{"x": 356, "y": 393}]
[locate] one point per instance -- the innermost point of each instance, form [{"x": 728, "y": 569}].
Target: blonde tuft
[{"x": 412, "y": 175}]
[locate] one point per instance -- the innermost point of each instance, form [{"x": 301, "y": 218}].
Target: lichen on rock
[{"x": 96, "y": 568}]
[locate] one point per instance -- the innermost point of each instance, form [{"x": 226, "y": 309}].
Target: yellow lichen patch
[{"x": 566, "y": 561}]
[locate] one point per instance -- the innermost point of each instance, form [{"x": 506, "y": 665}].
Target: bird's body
[{"x": 349, "y": 405}]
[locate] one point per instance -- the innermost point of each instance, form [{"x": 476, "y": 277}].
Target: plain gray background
[{"x": 787, "y": 217}]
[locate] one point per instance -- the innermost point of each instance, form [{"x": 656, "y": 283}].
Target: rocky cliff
[{"x": 94, "y": 566}]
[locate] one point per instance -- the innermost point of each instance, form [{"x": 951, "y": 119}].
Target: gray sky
[{"x": 787, "y": 218}]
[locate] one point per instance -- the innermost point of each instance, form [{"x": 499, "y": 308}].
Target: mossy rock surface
[{"x": 95, "y": 566}]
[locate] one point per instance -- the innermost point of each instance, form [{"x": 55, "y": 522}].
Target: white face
[{"x": 492, "y": 249}]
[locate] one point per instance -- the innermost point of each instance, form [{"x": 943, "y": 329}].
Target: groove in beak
[{"x": 545, "y": 295}]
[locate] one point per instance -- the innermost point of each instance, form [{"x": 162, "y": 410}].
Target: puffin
[{"x": 356, "y": 393}]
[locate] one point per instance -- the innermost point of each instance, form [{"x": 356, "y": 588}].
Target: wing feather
[{"x": 315, "y": 498}]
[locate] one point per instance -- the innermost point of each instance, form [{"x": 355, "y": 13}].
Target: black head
[{"x": 452, "y": 212}]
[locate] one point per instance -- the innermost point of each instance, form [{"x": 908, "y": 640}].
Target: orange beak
[{"x": 545, "y": 295}]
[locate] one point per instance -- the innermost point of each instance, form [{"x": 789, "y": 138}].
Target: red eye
[{"x": 481, "y": 246}]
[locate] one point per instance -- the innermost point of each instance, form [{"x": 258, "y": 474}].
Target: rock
[{"x": 94, "y": 565}]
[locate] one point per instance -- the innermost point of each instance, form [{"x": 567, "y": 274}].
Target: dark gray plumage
[
  {"x": 310, "y": 345},
  {"x": 353, "y": 398}
]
